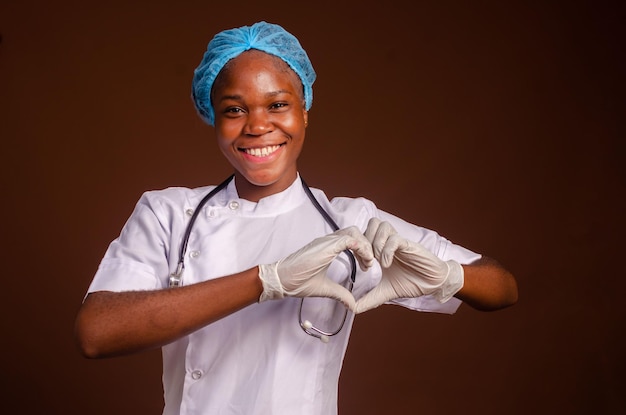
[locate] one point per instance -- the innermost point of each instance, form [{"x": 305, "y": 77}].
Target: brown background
[{"x": 499, "y": 124}]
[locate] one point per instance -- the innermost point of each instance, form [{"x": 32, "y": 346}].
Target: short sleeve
[{"x": 138, "y": 258}]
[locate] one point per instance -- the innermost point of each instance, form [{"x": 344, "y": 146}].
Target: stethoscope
[{"x": 175, "y": 279}]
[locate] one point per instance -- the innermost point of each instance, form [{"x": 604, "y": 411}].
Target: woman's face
[{"x": 260, "y": 122}]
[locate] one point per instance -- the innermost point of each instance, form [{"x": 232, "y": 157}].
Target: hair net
[{"x": 228, "y": 44}]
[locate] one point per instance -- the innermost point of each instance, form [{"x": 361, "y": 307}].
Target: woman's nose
[{"x": 257, "y": 123}]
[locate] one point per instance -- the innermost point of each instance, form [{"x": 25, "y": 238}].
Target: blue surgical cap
[{"x": 267, "y": 37}]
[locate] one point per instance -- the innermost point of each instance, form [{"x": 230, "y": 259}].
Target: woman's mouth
[{"x": 260, "y": 151}]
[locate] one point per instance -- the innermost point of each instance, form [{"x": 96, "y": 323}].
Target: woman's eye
[
  {"x": 233, "y": 110},
  {"x": 279, "y": 105}
]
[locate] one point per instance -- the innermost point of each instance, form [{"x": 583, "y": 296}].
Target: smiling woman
[
  {"x": 259, "y": 244},
  {"x": 260, "y": 120}
]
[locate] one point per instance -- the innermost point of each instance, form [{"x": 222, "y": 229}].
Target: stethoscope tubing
[{"x": 176, "y": 276}]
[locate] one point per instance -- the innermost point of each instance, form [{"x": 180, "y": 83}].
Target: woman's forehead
[{"x": 256, "y": 61}]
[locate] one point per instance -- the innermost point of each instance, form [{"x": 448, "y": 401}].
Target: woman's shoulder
[
  {"x": 341, "y": 203},
  {"x": 347, "y": 202},
  {"x": 175, "y": 196}
]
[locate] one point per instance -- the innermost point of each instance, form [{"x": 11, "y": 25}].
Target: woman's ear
[{"x": 305, "y": 115}]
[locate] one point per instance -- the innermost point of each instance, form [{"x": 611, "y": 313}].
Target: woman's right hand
[{"x": 303, "y": 273}]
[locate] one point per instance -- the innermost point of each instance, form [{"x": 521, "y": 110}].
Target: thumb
[
  {"x": 338, "y": 292},
  {"x": 371, "y": 300}
]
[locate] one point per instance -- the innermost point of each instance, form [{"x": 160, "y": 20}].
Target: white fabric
[{"x": 258, "y": 360}]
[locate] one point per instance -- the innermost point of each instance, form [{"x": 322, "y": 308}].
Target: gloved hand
[
  {"x": 303, "y": 273},
  {"x": 409, "y": 270}
]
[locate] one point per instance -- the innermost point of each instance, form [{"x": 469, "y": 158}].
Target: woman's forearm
[
  {"x": 117, "y": 323},
  {"x": 488, "y": 286}
]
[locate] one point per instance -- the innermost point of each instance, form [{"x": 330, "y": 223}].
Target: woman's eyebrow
[
  {"x": 237, "y": 97},
  {"x": 227, "y": 97},
  {"x": 278, "y": 92}
]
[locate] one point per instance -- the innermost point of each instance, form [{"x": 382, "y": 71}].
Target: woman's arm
[
  {"x": 487, "y": 286},
  {"x": 113, "y": 323},
  {"x": 410, "y": 270},
  {"x": 117, "y": 323}
]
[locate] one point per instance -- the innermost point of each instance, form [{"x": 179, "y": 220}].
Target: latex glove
[
  {"x": 303, "y": 273},
  {"x": 408, "y": 269}
]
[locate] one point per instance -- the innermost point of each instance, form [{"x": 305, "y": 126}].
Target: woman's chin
[{"x": 263, "y": 184}]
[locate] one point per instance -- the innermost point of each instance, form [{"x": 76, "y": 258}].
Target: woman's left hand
[{"x": 408, "y": 269}]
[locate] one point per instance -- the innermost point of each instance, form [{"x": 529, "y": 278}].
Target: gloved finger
[
  {"x": 394, "y": 245},
  {"x": 377, "y": 239},
  {"x": 375, "y": 298},
  {"x": 360, "y": 246},
  {"x": 418, "y": 256},
  {"x": 337, "y": 292},
  {"x": 380, "y": 239},
  {"x": 377, "y": 233},
  {"x": 322, "y": 286},
  {"x": 372, "y": 228}
]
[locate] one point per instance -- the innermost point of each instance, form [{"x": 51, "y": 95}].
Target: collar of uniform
[{"x": 271, "y": 205}]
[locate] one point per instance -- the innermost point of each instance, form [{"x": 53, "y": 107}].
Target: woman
[{"x": 228, "y": 330}]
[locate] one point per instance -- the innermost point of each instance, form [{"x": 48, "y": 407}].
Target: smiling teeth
[{"x": 261, "y": 152}]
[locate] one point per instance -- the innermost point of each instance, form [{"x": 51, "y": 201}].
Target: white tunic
[{"x": 257, "y": 360}]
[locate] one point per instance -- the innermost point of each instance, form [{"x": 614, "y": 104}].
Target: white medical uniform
[{"x": 257, "y": 360}]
